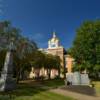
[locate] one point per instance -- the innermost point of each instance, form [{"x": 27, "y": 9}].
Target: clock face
[{"x": 53, "y": 45}]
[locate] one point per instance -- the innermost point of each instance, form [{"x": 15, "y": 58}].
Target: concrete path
[{"x": 74, "y": 95}]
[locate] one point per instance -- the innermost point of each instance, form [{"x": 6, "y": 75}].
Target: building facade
[{"x": 55, "y": 48}]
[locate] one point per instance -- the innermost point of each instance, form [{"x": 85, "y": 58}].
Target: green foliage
[
  {"x": 97, "y": 87},
  {"x": 23, "y": 47},
  {"x": 7, "y": 32},
  {"x": 52, "y": 62},
  {"x": 86, "y": 46},
  {"x": 40, "y": 60}
]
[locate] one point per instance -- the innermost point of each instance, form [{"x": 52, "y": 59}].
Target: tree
[
  {"x": 48, "y": 64},
  {"x": 52, "y": 62},
  {"x": 2, "y": 58},
  {"x": 86, "y": 47},
  {"x": 23, "y": 47},
  {"x": 37, "y": 61},
  {"x": 21, "y": 66},
  {"x": 58, "y": 64},
  {"x": 7, "y": 32},
  {"x": 41, "y": 60}
]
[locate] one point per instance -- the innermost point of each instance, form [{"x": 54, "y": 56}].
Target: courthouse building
[{"x": 55, "y": 48}]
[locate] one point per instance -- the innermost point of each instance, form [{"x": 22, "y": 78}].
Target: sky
[{"x": 39, "y": 18}]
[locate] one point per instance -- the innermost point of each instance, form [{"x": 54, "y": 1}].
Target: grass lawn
[
  {"x": 54, "y": 83},
  {"x": 35, "y": 91},
  {"x": 97, "y": 87}
]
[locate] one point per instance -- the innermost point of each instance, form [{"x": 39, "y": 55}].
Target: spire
[{"x": 54, "y": 34}]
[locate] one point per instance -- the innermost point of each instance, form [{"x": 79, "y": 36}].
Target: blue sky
[{"x": 39, "y": 18}]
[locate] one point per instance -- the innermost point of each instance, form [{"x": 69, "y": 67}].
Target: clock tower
[
  {"x": 53, "y": 42},
  {"x": 55, "y": 48}
]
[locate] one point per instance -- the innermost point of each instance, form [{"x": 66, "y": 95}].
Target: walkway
[{"x": 74, "y": 95}]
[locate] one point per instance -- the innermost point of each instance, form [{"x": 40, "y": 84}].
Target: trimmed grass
[
  {"x": 54, "y": 83},
  {"x": 35, "y": 91},
  {"x": 97, "y": 87},
  {"x": 44, "y": 96}
]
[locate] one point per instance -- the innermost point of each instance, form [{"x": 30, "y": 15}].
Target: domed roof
[{"x": 54, "y": 38}]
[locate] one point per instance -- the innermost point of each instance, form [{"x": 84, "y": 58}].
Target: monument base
[
  {"x": 7, "y": 85},
  {"x": 7, "y": 82},
  {"x": 77, "y": 79}
]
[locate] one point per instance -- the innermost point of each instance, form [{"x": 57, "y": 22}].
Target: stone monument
[
  {"x": 77, "y": 78},
  {"x": 85, "y": 79},
  {"x": 7, "y": 83}
]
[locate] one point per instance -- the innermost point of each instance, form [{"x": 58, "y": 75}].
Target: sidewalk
[{"x": 74, "y": 95}]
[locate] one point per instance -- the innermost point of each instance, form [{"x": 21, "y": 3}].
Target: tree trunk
[
  {"x": 49, "y": 73},
  {"x": 64, "y": 72},
  {"x": 59, "y": 72},
  {"x": 18, "y": 77}
]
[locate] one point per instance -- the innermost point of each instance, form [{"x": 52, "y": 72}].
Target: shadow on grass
[
  {"x": 81, "y": 89},
  {"x": 22, "y": 90},
  {"x": 54, "y": 83},
  {"x": 30, "y": 88}
]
